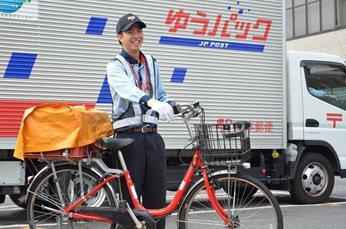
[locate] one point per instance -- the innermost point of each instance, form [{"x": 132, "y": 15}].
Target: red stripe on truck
[
  {"x": 334, "y": 114},
  {"x": 11, "y": 113}
]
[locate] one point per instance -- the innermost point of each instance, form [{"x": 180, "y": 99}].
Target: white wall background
[{"x": 332, "y": 42}]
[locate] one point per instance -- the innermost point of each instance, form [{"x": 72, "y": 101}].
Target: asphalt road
[{"x": 329, "y": 215}]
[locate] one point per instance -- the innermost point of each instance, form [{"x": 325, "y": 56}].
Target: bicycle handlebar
[{"x": 194, "y": 109}]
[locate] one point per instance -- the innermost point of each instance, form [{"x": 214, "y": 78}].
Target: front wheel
[
  {"x": 314, "y": 180},
  {"x": 47, "y": 196},
  {"x": 234, "y": 193}
]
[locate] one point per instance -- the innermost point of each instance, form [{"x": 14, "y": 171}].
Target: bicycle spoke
[
  {"x": 203, "y": 222},
  {"x": 47, "y": 198}
]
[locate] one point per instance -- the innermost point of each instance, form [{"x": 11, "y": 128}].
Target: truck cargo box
[{"x": 229, "y": 55}]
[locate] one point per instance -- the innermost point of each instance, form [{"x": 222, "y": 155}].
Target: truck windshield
[{"x": 327, "y": 82}]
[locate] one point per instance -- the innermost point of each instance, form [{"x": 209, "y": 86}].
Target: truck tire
[
  {"x": 2, "y": 199},
  {"x": 314, "y": 180},
  {"x": 19, "y": 200}
]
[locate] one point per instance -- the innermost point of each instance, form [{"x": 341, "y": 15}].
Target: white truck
[{"x": 229, "y": 55}]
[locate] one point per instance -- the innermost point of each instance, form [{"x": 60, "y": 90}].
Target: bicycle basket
[{"x": 221, "y": 144}]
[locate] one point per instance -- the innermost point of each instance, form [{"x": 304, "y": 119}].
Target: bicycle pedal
[{"x": 145, "y": 217}]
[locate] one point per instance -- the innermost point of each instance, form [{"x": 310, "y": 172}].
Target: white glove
[{"x": 164, "y": 109}]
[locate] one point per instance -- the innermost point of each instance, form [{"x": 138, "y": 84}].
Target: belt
[{"x": 142, "y": 130}]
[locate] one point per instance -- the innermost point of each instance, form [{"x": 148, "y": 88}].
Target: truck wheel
[
  {"x": 314, "y": 180},
  {"x": 2, "y": 199},
  {"x": 19, "y": 200}
]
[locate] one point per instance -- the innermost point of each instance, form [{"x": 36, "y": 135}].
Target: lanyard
[{"x": 138, "y": 79}]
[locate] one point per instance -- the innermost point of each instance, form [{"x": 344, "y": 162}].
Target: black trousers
[{"x": 146, "y": 162}]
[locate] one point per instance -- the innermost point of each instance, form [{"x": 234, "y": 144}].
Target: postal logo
[
  {"x": 11, "y": 6},
  {"x": 229, "y": 29},
  {"x": 131, "y": 18}
]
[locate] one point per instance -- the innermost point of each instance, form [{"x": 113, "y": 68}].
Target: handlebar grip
[
  {"x": 176, "y": 109},
  {"x": 186, "y": 108},
  {"x": 175, "y": 106}
]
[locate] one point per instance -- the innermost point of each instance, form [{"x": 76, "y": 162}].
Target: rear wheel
[
  {"x": 44, "y": 206},
  {"x": 235, "y": 194}
]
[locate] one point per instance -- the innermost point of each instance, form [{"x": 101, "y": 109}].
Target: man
[
  {"x": 321, "y": 93},
  {"x": 138, "y": 96}
]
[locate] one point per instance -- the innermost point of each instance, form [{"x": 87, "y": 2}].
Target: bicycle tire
[
  {"x": 43, "y": 203},
  {"x": 260, "y": 210}
]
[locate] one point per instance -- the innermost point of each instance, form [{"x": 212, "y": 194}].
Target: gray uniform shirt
[{"x": 124, "y": 88}]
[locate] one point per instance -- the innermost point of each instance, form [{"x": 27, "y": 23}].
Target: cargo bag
[{"x": 50, "y": 127}]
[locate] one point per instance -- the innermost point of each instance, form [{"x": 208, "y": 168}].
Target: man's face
[{"x": 132, "y": 38}]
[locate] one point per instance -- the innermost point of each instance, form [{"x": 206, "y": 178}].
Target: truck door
[{"x": 324, "y": 102}]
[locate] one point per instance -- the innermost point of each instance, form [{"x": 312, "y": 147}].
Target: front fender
[{"x": 306, "y": 147}]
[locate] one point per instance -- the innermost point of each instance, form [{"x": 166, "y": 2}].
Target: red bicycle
[{"x": 75, "y": 189}]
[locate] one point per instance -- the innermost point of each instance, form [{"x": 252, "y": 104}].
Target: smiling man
[{"x": 139, "y": 98}]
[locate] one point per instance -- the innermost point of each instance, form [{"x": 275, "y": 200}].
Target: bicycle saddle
[{"x": 116, "y": 143}]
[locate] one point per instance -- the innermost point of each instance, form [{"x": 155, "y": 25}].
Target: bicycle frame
[{"x": 197, "y": 164}]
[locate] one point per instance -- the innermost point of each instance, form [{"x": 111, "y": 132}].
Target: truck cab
[{"x": 316, "y": 102}]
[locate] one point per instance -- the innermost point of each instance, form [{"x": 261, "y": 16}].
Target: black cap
[{"x": 126, "y": 21}]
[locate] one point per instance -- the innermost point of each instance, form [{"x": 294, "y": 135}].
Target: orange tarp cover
[{"x": 59, "y": 126}]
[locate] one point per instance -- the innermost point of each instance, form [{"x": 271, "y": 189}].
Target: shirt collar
[{"x": 129, "y": 58}]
